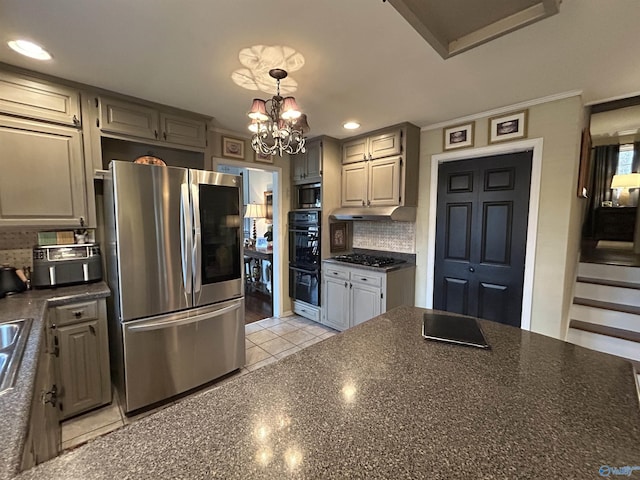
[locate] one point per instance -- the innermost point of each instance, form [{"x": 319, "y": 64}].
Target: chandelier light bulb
[{"x": 290, "y": 110}]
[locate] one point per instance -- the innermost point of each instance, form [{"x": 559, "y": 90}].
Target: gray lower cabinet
[
  {"x": 42, "y": 182},
  {"x": 43, "y": 434},
  {"x": 353, "y": 295},
  {"x": 82, "y": 357}
]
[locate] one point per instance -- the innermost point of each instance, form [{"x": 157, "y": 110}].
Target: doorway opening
[
  {"x": 262, "y": 244},
  {"x": 532, "y": 223}
]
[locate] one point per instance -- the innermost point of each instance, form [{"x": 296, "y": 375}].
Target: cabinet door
[
  {"x": 183, "y": 130},
  {"x": 384, "y": 182},
  {"x": 355, "y": 150},
  {"x": 385, "y": 144},
  {"x": 314, "y": 161},
  {"x": 128, "y": 118},
  {"x": 354, "y": 184},
  {"x": 79, "y": 367},
  {"x": 365, "y": 303},
  {"x": 33, "y": 98},
  {"x": 42, "y": 182},
  {"x": 299, "y": 167},
  {"x": 336, "y": 303}
]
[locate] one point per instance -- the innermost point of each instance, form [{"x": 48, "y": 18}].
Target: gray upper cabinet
[
  {"x": 42, "y": 182},
  {"x": 126, "y": 118},
  {"x": 183, "y": 130},
  {"x": 372, "y": 147},
  {"x": 307, "y": 166},
  {"x": 33, "y": 98},
  {"x": 117, "y": 116},
  {"x": 381, "y": 169}
]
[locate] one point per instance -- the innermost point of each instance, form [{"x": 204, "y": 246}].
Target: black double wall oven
[{"x": 304, "y": 255}]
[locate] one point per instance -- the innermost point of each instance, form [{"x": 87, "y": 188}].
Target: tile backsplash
[
  {"x": 16, "y": 248},
  {"x": 387, "y": 236}
]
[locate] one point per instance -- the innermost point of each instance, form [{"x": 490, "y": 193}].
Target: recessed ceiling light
[
  {"x": 351, "y": 125},
  {"x": 29, "y": 49}
]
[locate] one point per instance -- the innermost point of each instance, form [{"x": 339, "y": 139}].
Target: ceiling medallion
[{"x": 280, "y": 127}]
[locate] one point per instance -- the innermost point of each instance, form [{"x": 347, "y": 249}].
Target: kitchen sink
[
  {"x": 8, "y": 334},
  {"x": 13, "y": 338}
]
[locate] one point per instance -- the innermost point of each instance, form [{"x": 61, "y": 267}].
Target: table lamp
[
  {"x": 254, "y": 211},
  {"x": 625, "y": 182}
]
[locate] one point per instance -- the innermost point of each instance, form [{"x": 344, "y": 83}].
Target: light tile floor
[{"x": 266, "y": 341}]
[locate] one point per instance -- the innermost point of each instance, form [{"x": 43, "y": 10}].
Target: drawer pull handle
[
  {"x": 363, "y": 279},
  {"x": 77, "y": 313}
]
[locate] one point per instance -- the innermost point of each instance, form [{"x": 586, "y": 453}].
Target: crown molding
[{"x": 502, "y": 110}]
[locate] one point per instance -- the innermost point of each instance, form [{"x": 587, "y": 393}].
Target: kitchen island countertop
[
  {"x": 15, "y": 403},
  {"x": 379, "y": 401}
]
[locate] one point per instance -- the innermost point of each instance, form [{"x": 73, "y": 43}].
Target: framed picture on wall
[
  {"x": 508, "y": 127},
  {"x": 338, "y": 237},
  {"x": 233, "y": 148},
  {"x": 260, "y": 157},
  {"x": 459, "y": 136}
]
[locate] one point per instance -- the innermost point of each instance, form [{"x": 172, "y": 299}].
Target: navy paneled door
[{"x": 481, "y": 236}]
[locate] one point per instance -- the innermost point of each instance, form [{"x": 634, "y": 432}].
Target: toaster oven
[{"x": 58, "y": 265}]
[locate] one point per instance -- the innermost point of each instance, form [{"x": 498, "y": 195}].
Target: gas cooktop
[{"x": 368, "y": 260}]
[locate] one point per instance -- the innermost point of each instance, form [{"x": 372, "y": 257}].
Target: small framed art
[
  {"x": 261, "y": 157},
  {"x": 338, "y": 236},
  {"x": 232, "y": 148},
  {"x": 459, "y": 136},
  {"x": 508, "y": 127}
]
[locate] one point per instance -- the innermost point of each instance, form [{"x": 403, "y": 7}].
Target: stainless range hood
[{"x": 376, "y": 214}]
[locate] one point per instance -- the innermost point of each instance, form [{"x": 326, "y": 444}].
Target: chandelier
[{"x": 282, "y": 128}]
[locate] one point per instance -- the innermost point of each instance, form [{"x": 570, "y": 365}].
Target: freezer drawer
[{"x": 170, "y": 354}]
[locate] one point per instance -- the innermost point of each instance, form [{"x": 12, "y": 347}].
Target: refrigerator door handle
[
  {"x": 157, "y": 325},
  {"x": 197, "y": 236},
  {"x": 185, "y": 234}
]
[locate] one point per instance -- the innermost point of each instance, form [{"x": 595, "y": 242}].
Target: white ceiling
[{"x": 363, "y": 60}]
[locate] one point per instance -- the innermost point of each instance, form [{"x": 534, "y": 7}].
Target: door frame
[
  {"x": 534, "y": 144},
  {"x": 278, "y": 286}
]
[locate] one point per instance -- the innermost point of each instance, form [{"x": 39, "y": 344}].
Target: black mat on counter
[{"x": 453, "y": 329}]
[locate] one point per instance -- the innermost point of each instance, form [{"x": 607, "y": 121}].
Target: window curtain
[{"x": 604, "y": 164}]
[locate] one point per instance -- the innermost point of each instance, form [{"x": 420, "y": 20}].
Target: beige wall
[
  {"x": 559, "y": 124},
  {"x": 284, "y": 192}
]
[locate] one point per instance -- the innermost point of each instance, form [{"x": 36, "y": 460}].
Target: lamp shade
[
  {"x": 258, "y": 110},
  {"x": 629, "y": 180},
  {"x": 290, "y": 109},
  {"x": 302, "y": 124},
  {"x": 254, "y": 210}
]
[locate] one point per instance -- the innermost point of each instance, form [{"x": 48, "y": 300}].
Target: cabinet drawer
[
  {"x": 307, "y": 311},
  {"x": 336, "y": 273},
  {"x": 78, "y": 312},
  {"x": 366, "y": 278}
]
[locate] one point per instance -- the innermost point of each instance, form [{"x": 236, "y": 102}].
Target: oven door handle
[
  {"x": 304, "y": 270},
  {"x": 301, "y": 229}
]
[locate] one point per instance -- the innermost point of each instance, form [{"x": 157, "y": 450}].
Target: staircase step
[
  {"x": 609, "y": 272},
  {"x": 617, "y": 307},
  {"x": 604, "y": 343},
  {"x": 606, "y": 293},
  {"x": 608, "y": 318},
  {"x": 605, "y": 330},
  {"x": 609, "y": 283}
]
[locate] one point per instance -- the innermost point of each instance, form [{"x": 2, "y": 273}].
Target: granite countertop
[
  {"x": 15, "y": 403},
  {"x": 378, "y": 401}
]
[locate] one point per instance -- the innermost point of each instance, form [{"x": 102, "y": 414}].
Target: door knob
[{"x": 471, "y": 269}]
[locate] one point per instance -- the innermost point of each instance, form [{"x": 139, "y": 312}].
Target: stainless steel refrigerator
[{"x": 174, "y": 264}]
